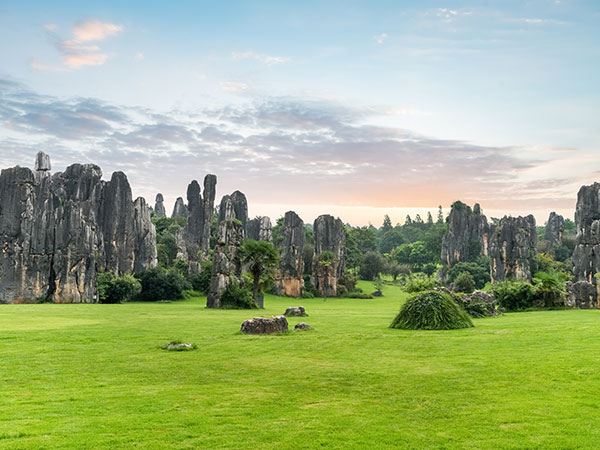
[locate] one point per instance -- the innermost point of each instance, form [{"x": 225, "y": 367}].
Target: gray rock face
[
  {"x": 554, "y": 230},
  {"x": 42, "y": 166},
  {"x": 234, "y": 206},
  {"x": 260, "y": 229},
  {"x": 195, "y": 240},
  {"x": 226, "y": 265},
  {"x": 179, "y": 210},
  {"x": 262, "y": 325},
  {"x": 467, "y": 236},
  {"x": 57, "y": 231},
  {"x": 512, "y": 248},
  {"x": 330, "y": 236},
  {"x": 582, "y": 294},
  {"x": 159, "y": 206},
  {"x": 586, "y": 257},
  {"x": 295, "y": 311},
  {"x": 289, "y": 279}
]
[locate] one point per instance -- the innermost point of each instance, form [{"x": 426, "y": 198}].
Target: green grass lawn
[{"x": 94, "y": 376}]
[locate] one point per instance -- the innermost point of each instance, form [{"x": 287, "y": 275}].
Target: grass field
[{"x": 94, "y": 376}]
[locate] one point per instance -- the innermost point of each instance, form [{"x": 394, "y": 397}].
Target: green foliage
[
  {"x": 429, "y": 269},
  {"x": 372, "y": 265},
  {"x": 159, "y": 283},
  {"x": 378, "y": 284},
  {"x": 515, "y": 295},
  {"x": 464, "y": 282},
  {"x": 166, "y": 246},
  {"x": 201, "y": 281},
  {"x": 391, "y": 239},
  {"x": 479, "y": 270},
  {"x": 387, "y": 224},
  {"x": 431, "y": 310},
  {"x": 418, "y": 283},
  {"x": 117, "y": 289},
  {"x": 237, "y": 296},
  {"x": 550, "y": 288},
  {"x": 326, "y": 258},
  {"x": 346, "y": 283},
  {"x": 261, "y": 257}
]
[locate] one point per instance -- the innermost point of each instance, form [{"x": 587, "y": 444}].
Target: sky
[{"x": 356, "y": 109}]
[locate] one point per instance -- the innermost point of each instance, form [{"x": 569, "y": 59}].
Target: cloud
[
  {"x": 233, "y": 86},
  {"x": 380, "y": 38},
  {"x": 94, "y": 30},
  {"x": 139, "y": 56},
  {"x": 78, "y": 52},
  {"x": 284, "y": 150},
  {"x": 265, "y": 59}
]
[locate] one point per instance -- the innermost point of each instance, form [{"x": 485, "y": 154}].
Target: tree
[
  {"x": 550, "y": 288},
  {"x": 464, "y": 283},
  {"x": 408, "y": 220},
  {"x": 261, "y": 258},
  {"x": 440, "y": 215},
  {"x": 387, "y": 224},
  {"x": 372, "y": 265},
  {"x": 429, "y": 218},
  {"x": 418, "y": 219},
  {"x": 390, "y": 239},
  {"x": 479, "y": 270}
]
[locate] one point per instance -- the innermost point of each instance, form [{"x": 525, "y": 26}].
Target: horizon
[{"x": 356, "y": 110}]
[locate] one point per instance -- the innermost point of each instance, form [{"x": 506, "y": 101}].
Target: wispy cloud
[
  {"x": 78, "y": 51},
  {"x": 94, "y": 30},
  {"x": 380, "y": 38},
  {"x": 271, "y": 147},
  {"x": 233, "y": 86},
  {"x": 269, "y": 60}
]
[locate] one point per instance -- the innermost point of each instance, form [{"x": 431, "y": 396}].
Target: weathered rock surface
[
  {"x": 159, "y": 206},
  {"x": 582, "y": 294},
  {"x": 586, "y": 257},
  {"x": 262, "y": 325},
  {"x": 330, "y": 236},
  {"x": 42, "y": 166},
  {"x": 226, "y": 266},
  {"x": 57, "y": 230},
  {"x": 302, "y": 326},
  {"x": 512, "y": 249},
  {"x": 467, "y": 236},
  {"x": 289, "y": 279},
  {"x": 295, "y": 311},
  {"x": 179, "y": 209},
  {"x": 194, "y": 241},
  {"x": 554, "y": 230},
  {"x": 260, "y": 229},
  {"x": 234, "y": 206}
]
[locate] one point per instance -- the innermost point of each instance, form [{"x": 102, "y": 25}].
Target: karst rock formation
[{"x": 58, "y": 230}]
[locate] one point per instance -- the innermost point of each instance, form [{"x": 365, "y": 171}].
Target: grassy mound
[{"x": 431, "y": 310}]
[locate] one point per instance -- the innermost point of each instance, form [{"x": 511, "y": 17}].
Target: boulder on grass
[
  {"x": 302, "y": 326},
  {"x": 295, "y": 311},
  {"x": 263, "y": 325}
]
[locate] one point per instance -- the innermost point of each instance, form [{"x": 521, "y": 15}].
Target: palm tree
[{"x": 261, "y": 257}]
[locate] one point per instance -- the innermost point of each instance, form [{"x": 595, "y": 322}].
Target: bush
[
  {"x": 479, "y": 304},
  {"x": 201, "y": 281},
  {"x": 307, "y": 294},
  {"x": 358, "y": 293},
  {"x": 237, "y": 296},
  {"x": 464, "y": 283},
  {"x": 515, "y": 295},
  {"x": 550, "y": 288},
  {"x": 431, "y": 310},
  {"x": 480, "y": 271},
  {"x": 114, "y": 289},
  {"x": 418, "y": 284},
  {"x": 372, "y": 265},
  {"x": 162, "y": 284},
  {"x": 347, "y": 281}
]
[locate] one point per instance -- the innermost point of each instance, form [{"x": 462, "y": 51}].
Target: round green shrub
[{"x": 431, "y": 310}]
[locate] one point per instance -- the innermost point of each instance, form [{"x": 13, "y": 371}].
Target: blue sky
[{"x": 358, "y": 108}]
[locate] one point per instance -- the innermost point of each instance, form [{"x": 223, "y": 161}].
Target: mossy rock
[{"x": 431, "y": 310}]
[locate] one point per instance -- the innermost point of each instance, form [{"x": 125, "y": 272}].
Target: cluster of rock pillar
[
  {"x": 511, "y": 244},
  {"x": 58, "y": 230}
]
